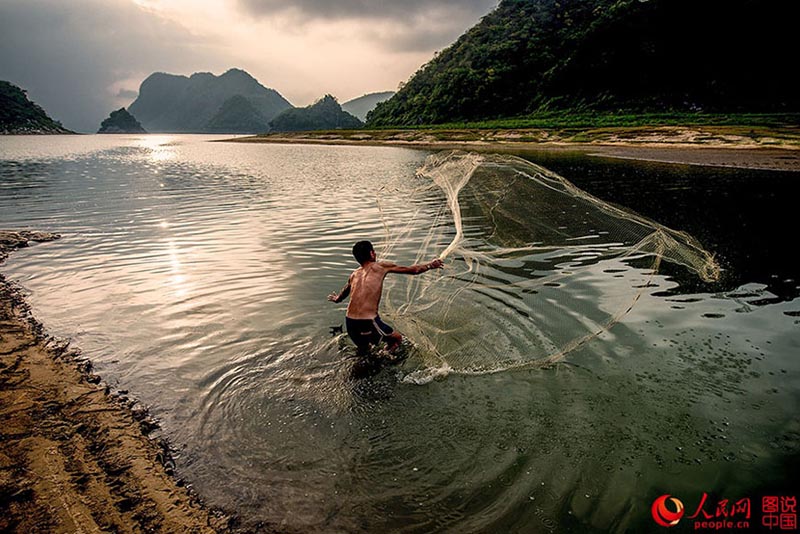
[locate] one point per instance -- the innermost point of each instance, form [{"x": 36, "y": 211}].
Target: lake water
[{"x": 194, "y": 275}]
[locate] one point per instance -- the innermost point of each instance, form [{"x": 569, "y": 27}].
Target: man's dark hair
[{"x": 361, "y": 251}]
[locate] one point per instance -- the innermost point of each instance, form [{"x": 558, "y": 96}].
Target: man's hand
[
  {"x": 436, "y": 264},
  {"x": 341, "y": 295}
]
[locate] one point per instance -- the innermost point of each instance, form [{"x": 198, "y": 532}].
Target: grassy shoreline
[
  {"x": 588, "y": 120},
  {"x": 559, "y": 128},
  {"x": 750, "y": 145}
]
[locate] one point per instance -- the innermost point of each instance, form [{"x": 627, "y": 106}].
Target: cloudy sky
[{"x": 80, "y": 59}]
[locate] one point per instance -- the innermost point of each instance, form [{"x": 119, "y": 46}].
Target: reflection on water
[
  {"x": 746, "y": 217},
  {"x": 194, "y": 274}
]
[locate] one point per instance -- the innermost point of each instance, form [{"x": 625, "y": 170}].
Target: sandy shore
[
  {"x": 75, "y": 458},
  {"x": 721, "y": 146}
]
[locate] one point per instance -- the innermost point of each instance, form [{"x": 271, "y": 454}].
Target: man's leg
[
  {"x": 362, "y": 350},
  {"x": 389, "y": 335},
  {"x": 363, "y": 335}
]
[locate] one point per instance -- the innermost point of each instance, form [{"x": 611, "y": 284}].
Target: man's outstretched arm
[
  {"x": 333, "y": 297},
  {"x": 412, "y": 269}
]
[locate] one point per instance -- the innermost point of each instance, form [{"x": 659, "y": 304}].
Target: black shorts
[{"x": 366, "y": 332}]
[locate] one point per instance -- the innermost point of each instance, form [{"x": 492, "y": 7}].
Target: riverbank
[
  {"x": 758, "y": 147},
  {"x": 74, "y": 457}
]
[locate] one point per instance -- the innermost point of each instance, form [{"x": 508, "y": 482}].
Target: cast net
[{"x": 535, "y": 267}]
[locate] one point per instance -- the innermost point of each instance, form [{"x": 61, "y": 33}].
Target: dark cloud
[
  {"x": 128, "y": 94},
  {"x": 369, "y": 9},
  {"x": 72, "y": 56},
  {"x": 407, "y": 26},
  {"x": 419, "y": 37},
  {"x": 81, "y": 59}
]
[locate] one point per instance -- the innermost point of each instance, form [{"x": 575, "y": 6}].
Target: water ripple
[{"x": 194, "y": 274}]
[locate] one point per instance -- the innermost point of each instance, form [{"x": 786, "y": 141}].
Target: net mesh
[{"x": 536, "y": 267}]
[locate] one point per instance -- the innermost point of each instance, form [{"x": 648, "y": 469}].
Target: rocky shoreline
[
  {"x": 76, "y": 457},
  {"x": 36, "y": 130}
]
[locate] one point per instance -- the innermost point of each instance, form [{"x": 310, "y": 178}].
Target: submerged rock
[{"x": 10, "y": 240}]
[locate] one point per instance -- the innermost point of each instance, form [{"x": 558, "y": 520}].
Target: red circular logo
[{"x": 663, "y": 515}]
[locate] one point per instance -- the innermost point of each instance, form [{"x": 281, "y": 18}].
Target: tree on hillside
[{"x": 324, "y": 114}]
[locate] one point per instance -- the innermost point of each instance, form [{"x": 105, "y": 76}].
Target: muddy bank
[
  {"x": 73, "y": 456},
  {"x": 769, "y": 149},
  {"x": 739, "y": 158}
]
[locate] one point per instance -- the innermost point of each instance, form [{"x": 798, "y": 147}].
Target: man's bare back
[{"x": 364, "y": 287}]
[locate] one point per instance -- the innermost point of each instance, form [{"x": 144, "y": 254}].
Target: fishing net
[{"x": 535, "y": 267}]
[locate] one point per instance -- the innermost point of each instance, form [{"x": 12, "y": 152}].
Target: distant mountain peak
[
  {"x": 327, "y": 100},
  {"x": 324, "y": 114},
  {"x": 238, "y": 115},
  {"x": 238, "y": 72},
  {"x": 361, "y": 106},
  {"x": 120, "y": 121},
  {"x": 175, "y": 103}
]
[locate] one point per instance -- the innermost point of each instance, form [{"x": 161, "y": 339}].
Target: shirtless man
[{"x": 365, "y": 285}]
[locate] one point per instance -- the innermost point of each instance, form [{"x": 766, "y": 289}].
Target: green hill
[
  {"x": 325, "y": 114},
  {"x": 18, "y": 115},
  {"x": 529, "y": 56},
  {"x": 120, "y": 121},
  {"x": 238, "y": 115},
  {"x": 171, "y": 103}
]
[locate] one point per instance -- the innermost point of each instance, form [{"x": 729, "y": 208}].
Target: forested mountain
[
  {"x": 18, "y": 115},
  {"x": 120, "y": 121},
  {"x": 238, "y": 115},
  {"x": 359, "y": 107},
  {"x": 170, "y": 103},
  {"x": 638, "y": 55},
  {"x": 325, "y": 114}
]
